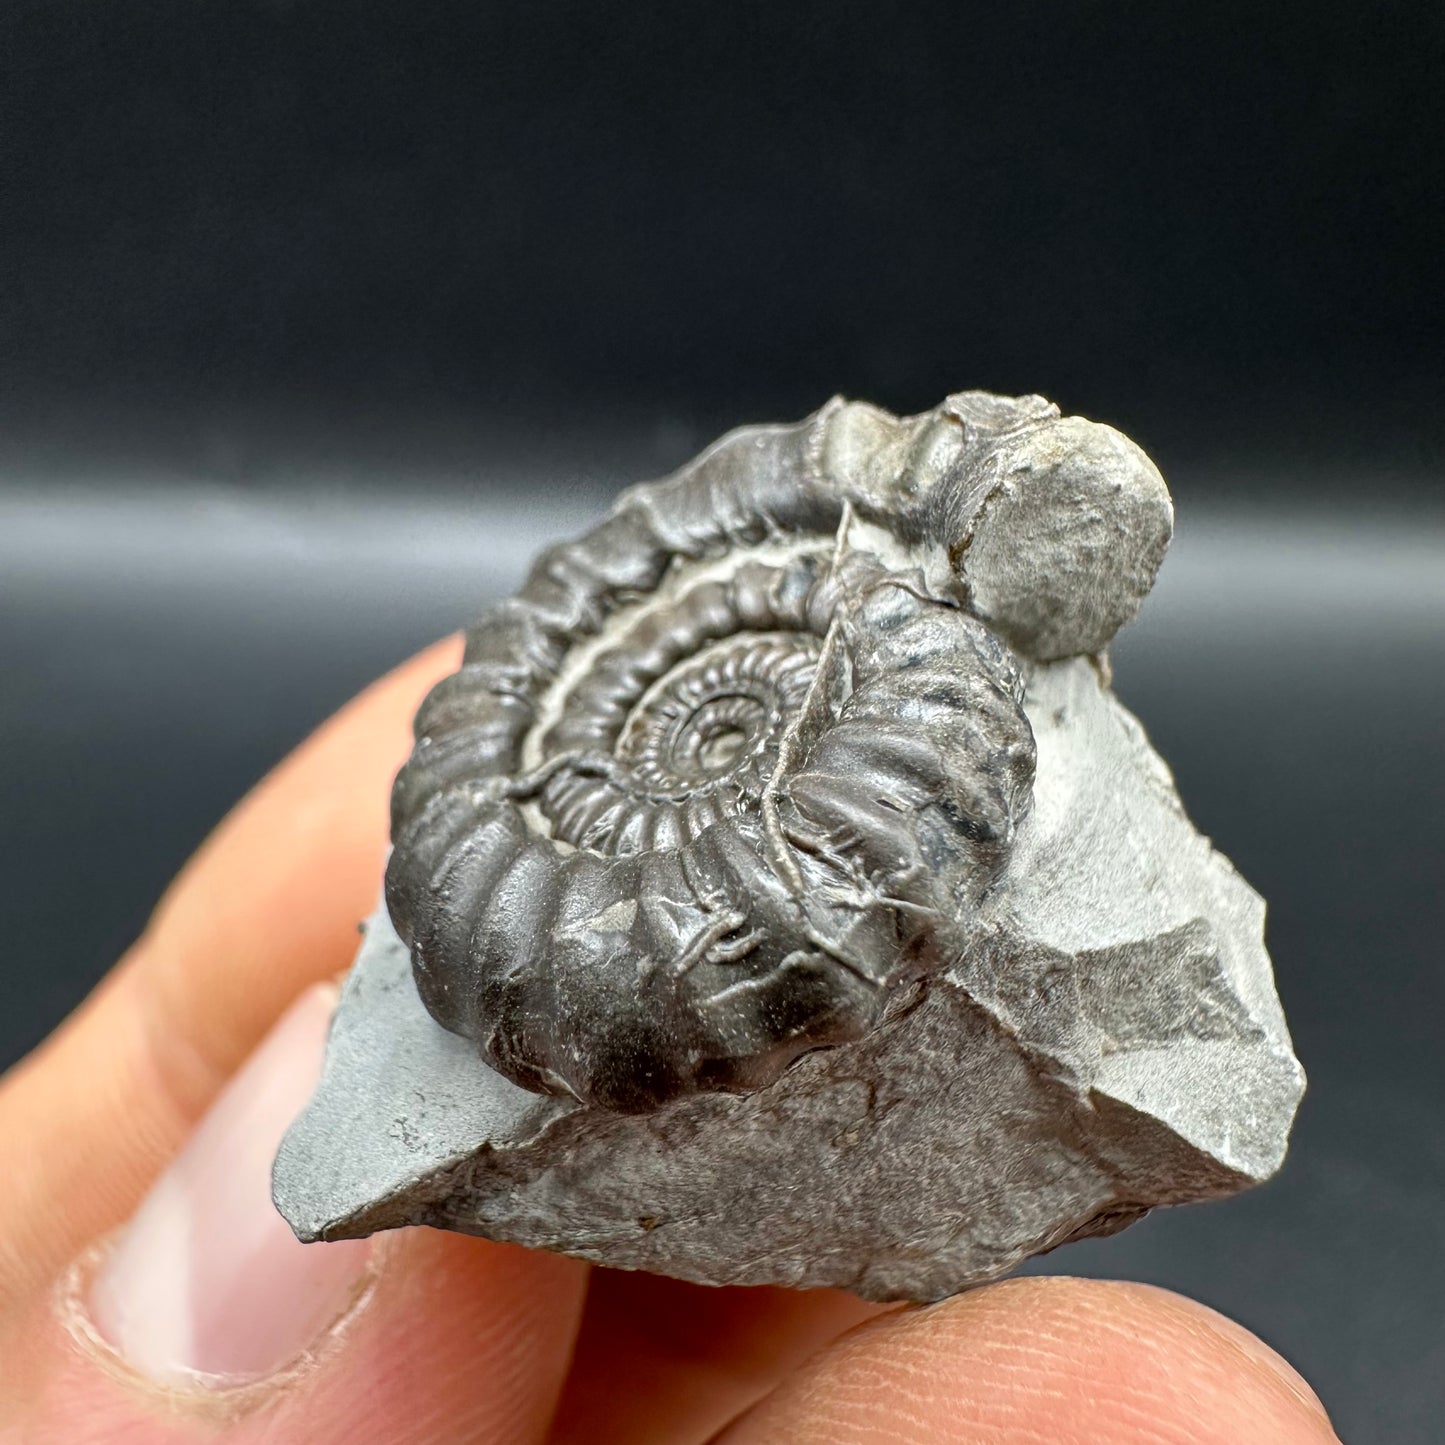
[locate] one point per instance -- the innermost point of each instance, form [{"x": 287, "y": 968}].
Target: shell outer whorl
[{"x": 736, "y": 769}]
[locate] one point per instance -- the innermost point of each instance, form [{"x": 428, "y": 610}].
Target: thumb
[{"x": 202, "y": 1318}]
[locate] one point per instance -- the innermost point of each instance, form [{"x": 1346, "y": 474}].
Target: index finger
[{"x": 269, "y": 904}]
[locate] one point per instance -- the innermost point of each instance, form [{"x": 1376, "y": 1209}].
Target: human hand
[{"x": 150, "y": 1295}]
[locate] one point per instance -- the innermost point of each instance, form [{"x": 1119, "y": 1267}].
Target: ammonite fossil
[
  {"x": 732, "y": 774},
  {"x": 780, "y": 894}
]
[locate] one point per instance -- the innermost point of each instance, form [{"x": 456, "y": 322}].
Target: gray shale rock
[{"x": 800, "y": 905}]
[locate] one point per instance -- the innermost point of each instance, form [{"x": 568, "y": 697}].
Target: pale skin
[{"x": 461, "y": 1340}]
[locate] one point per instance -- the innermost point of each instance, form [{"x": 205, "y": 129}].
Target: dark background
[{"x": 316, "y": 319}]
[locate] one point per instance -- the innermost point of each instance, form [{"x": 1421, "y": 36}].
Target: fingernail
[{"x": 207, "y": 1285}]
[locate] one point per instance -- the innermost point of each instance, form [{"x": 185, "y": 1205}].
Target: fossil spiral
[{"x": 732, "y": 774}]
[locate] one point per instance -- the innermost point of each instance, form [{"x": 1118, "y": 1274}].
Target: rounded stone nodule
[{"x": 1068, "y": 540}]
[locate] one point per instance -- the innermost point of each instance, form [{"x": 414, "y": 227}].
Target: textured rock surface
[{"x": 1115, "y": 1045}]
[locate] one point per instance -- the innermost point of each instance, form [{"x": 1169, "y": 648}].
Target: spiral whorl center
[
  {"x": 716, "y": 718},
  {"x": 693, "y": 746}
]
